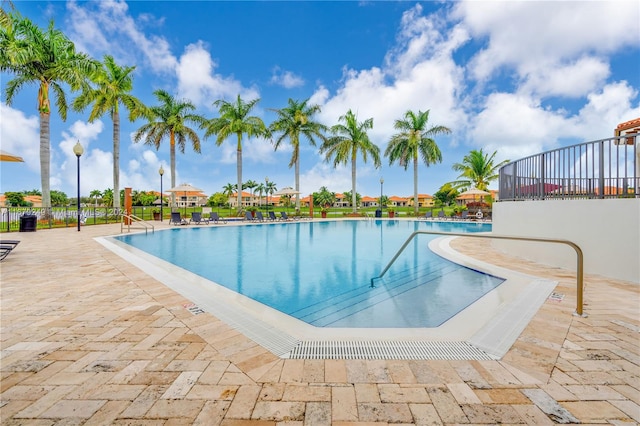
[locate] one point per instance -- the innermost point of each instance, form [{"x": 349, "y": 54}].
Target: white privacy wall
[{"x": 607, "y": 231}]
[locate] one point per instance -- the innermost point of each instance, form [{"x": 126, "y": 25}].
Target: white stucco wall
[{"x": 607, "y": 231}]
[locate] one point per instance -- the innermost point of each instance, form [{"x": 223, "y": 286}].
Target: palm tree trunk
[
  {"x": 116, "y": 158},
  {"x": 239, "y": 171},
  {"x": 172, "y": 154},
  {"x": 353, "y": 183},
  {"x": 415, "y": 184},
  {"x": 45, "y": 161},
  {"x": 298, "y": 185}
]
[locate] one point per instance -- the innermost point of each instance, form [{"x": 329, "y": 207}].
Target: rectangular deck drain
[{"x": 387, "y": 350}]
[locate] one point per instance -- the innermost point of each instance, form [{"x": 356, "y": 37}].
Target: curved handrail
[
  {"x": 579, "y": 269},
  {"x": 132, "y": 218}
]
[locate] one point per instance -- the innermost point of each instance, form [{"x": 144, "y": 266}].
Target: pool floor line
[{"x": 288, "y": 337}]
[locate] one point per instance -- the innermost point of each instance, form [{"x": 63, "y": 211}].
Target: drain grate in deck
[{"x": 387, "y": 350}]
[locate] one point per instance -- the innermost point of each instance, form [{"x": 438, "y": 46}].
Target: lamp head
[
  {"x": 381, "y": 181},
  {"x": 161, "y": 171},
  {"x": 266, "y": 179},
  {"x": 77, "y": 149}
]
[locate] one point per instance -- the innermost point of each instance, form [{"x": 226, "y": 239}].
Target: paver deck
[{"x": 89, "y": 339}]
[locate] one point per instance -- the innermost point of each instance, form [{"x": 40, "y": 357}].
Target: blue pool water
[{"x": 320, "y": 272}]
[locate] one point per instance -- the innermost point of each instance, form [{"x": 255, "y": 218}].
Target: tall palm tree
[
  {"x": 235, "y": 120},
  {"x": 477, "y": 169},
  {"x": 170, "y": 119},
  {"x": 46, "y": 58},
  {"x": 415, "y": 137},
  {"x": 296, "y": 120},
  {"x": 347, "y": 140},
  {"x": 112, "y": 86},
  {"x": 95, "y": 194}
]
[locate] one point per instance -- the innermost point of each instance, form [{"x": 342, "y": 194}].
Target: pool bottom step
[{"x": 388, "y": 350}]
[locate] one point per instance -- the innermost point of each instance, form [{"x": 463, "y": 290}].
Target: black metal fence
[
  {"x": 606, "y": 168},
  {"x": 13, "y": 219}
]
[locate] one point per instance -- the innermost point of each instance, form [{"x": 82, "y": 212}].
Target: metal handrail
[
  {"x": 132, "y": 218},
  {"x": 579, "y": 269}
]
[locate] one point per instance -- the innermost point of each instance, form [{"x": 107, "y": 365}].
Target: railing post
[{"x": 601, "y": 171}]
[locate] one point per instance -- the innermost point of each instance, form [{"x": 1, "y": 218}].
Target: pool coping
[{"x": 484, "y": 330}]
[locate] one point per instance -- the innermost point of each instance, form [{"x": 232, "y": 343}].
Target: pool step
[{"x": 326, "y": 313}]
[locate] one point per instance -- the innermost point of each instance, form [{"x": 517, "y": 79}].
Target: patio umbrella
[
  {"x": 185, "y": 187},
  {"x": 474, "y": 191},
  {"x": 5, "y": 156},
  {"x": 287, "y": 191}
]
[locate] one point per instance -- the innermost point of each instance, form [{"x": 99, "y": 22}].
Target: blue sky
[{"x": 513, "y": 77}]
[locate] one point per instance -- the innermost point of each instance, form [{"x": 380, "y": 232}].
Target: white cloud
[
  {"x": 286, "y": 79},
  {"x": 532, "y": 37},
  {"x": 20, "y": 135},
  {"x": 570, "y": 80},
  {"x": 419, "y": 74},
  {"x": 106, "y": 27},
  {"x": 198, "y": 82}
]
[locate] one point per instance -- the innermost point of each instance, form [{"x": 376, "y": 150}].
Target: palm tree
[
  {"x": 46, "y": 58},
  {"x": 250, "y": 184},
  {"x": 324, "y": 198},
  {"x": 170, "y": 118},
  {"x": 228, "y": 190},
  {"x": 294, "y": 121},
  {"x": 107, "y": 197},
  {"x": 112, "y": 86},
  {"x": 414, "y": 137},
  {"x": 260, "y": 189},
  {"x": 270, "y": 188},
  {"x": 477, "y": 169},
  {"x": 235, "y": 119},
  {"x": 347, "y": 140},
  {"x": 95, "y": 194}
]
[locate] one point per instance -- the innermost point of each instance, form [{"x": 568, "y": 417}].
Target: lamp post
[
  {"x": 78, "y": 150},
  {"x": 161, "y": 171},
  {"x": 266, "y": 181},
  {"x": 381, "y": 182}
]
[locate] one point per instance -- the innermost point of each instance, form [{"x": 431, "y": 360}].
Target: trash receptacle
[
  {"x": 28, "y": 223},
  {"x": 378, "y": 213}
]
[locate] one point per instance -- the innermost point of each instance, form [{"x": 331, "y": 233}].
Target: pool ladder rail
[
  {"x": 139, "y": 223},
  {"x": 579, "y": 266}
]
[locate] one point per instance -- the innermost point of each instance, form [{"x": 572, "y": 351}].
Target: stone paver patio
[{"x": 88, "y": 339}]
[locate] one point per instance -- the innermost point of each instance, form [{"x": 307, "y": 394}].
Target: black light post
[
  {"x": 381, "y": 182},
  {"x": 266, "y": 180},
  {"x": 161, "y": 171},
  {"x": 78, "y": 150}
]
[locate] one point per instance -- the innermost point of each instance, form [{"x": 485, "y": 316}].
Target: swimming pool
[{"x": 320, "y": 272}]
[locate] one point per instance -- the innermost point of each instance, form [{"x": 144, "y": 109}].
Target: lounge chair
[
  {"x": 427, "y": 215},
  {"x": 215, "y": 218},
  {"x": 272, "y": 216},
  {"x": 259, "y": 217},
  {"x": 176, "y": 219},
  {"x": 464, "y": 215},
  {"x": 12, "y": 243},
  {"x": 6, "y": 247},
  {"x": 284, "y": 216},
  {"x": 196, "y": 217},
  {"x": 441, "y": 215},
  {"x": 248, "y": 216}
]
